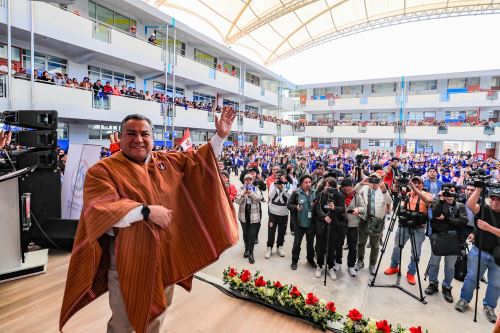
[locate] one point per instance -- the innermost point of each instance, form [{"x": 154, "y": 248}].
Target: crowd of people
[{"x": 355, "y": 194}]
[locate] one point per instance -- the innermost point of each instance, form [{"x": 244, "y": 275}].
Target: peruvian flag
[{"x": 186, "y": 143}]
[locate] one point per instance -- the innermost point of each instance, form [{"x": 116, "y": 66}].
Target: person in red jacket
[{"x": 230, "y": 188}]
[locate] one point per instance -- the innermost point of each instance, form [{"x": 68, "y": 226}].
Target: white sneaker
[
  {"x": 352, "y": 271},
  {"x": 337, "y": 267},
  {"x": 318, "y": 272},
  {"x": 281, "y": 252},
  {"x": 332, "y": 274},
  {"x": 359, "y": 264},
  {"x": 268, "y": 253},
  {"x": 372, "y": 269}
]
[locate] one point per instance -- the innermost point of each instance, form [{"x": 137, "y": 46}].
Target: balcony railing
[
  {"x": 101, "y": 31},
  {"x": 101, "y": 101}
]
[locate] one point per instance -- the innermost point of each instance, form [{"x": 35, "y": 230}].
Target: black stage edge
[
  {"x": 22, "y": 273},
  {"x": 236, "y": 294}
]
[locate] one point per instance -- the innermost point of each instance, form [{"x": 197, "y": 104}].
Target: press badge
[{"x": 309, "y": 215}]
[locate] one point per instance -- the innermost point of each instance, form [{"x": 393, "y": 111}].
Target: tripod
[
  {"x": 326, "y": 250},
  {"x": 411, "y": 232},
  {"x": 478, "y": 278}
]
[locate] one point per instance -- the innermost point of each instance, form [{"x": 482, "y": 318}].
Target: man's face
[
  {"x": 136, "y": 140},
  {"x": 225, "y": 179},
  {"x": 432, "y": 174},
  {"x": 449, "y": 200},
  {"x": 306, "y": 184},
  {"x": 395, "y": 163},
  {"x": 418, "y": 184},
  {"x": 321, "y": 169},
  {"x": 248, "y": 181},
  {"x": 495, "y": 203},
  {"x": 469, "y": 190},
  {"x": 275, "y": 170},
  {"x": 347, "y": 190}
]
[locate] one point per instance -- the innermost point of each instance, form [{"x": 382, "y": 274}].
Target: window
[
  {"x": 454, "y": 116},
  {"x": 298, "y": 93},
  {"x": 102, "y": 132},
  {"x": 350, "y": 116},
  {"x": 423, "y": 85},
  {"x": 382, "y": 116},
  {"x": 45, "y": 62},
  {"x": 203, "y": 98},
  {"x": 253, "y": 79},
  {"x": 228, "y": 102},
  {"x": 199, "y": 136},
  {"x": 351, "y": 90},
  {"x": 380, "y": 143},
  {"x": 384, "y": 88},
  {"x": 495, "y": 83},
  {"x": 463, "y": 83},
  {"x": 96, "y": 73},
  {"x": 62, "y": 131},
  {"x": 489, "y": 145},
  {"x": 159, "y": 87},
  {"x": 322, "y": 116},
  {"x": 427, "y": 115},
  {"x": 180, "y": 47},
  {"x": 205, "y": 58},
  {"x": 228, "y": 68},
  {"x": 111, "y": 18},
  {"x": 251, "y": 108},
  {"x": 296, "y": 117},
  {"x": 323, "y": 91}
]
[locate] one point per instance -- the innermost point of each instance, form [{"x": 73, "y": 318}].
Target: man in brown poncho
[{"x": 149, "y": 220}]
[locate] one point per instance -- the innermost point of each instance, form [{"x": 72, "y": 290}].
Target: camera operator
[
  {"x": 249, "y": 197},
  {"x": 301, "y": 205},
  {"x": 329, "y": 210},
  {"x": 278, "y": 216},
  {"x": 413, "y": 215},
  {"x": 489, "y": 243},
  {"x": 432, "y": 183},
  {"x": 471, "y": 217},
  {"x": 449, "y": 217},
  {"x": 374, "y": 200}
]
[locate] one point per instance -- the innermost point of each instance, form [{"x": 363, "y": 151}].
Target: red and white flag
[{"x": 186, "y": 143}]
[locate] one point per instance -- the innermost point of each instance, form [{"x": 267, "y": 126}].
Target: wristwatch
[{"x": 145, "y": 212}]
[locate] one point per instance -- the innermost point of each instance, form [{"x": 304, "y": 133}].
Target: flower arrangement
[
  {"x": 310, "y": 307},
  {"x": 318, "y": 311}
]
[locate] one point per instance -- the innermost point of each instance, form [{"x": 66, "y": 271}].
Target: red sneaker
[
  {"x": 410, "y": 278},
  {"x": 391, "y": 271}
]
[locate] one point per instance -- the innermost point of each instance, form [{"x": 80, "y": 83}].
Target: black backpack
[{"x": 461, "y": 265}]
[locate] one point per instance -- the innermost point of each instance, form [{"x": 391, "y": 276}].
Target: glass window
[
  {"x": 251, "y": 108},
  {"x": 495, "y": 82},
  {"x": 122, "y": 22},
  {"x": 351, "y": 90},
  {"x": 96, "y": 73},
  {"x": 180, "y": 47},
  {"x": 489, "y": 145},
  {"x": 423, "y": 85},
  {"x": 94, "y": 132},
  {"x": 384, "y": 88},
  {"x": 199, "y": 97},
  {"x": 92, "y": 9},
  {"x": 45, "y": 62},
  {"x": 205, "y": 58},
  {"x": 229, "y": 68},
  {"x": 102, "y": 132},
  {"x": 322, "y": 116},
  {"x": 104, "y": 15},
  {"x": 463, "y": 83},
  {"x": 454, "y": 116},
  {"x": 427, "y": 115},
  {"x": 62, "y": 130},
  {"x": 350, "y": 116},
  {"x": 228, "y": 102},
  {"x": 298, "y": 93},
  {"x": 379, "y": 143},
  {"x": 382, "y": 116},
  {"x": 253, "y": 79},
  {"x": 323, "y": 91}
]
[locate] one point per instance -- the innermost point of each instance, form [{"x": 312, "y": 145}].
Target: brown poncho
[{"x": 148, "y": 258}]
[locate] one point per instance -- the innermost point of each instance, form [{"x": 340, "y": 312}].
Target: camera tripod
[{"x": 411, "y": 232}]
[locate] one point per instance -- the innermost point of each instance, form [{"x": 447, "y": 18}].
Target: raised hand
[
  {"x": 223, "y": 125},
  {"x": 114, "y": 138}
]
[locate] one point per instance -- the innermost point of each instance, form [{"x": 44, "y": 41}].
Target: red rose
[
  {"x": 278, "y": 285},
  {"x": 295, "y": 292},
  {"x": 260, "y": 282},
  {"x": 232, "y": 272},
  {"x": 311, "y": 299},
  {"x": 331, "y": 306},
  {"x": 355, "y": 315},
  {"x": 383, "y": 326},
  {"x": 416, "y": 329},
  {"x": 245, "y": 276}
]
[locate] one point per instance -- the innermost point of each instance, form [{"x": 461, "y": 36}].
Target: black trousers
[
  {"x": 297, "y": 241},
  {"x": 352, "y": 243},
  {"x": 249, "y": 234},
  {"x": 339, "y": 232},
  {"x": 276, "y": 222},
  {"x": 292, "y": 225},
  {"x": 321, "y": 242}
]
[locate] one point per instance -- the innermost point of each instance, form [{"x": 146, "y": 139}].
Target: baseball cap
[
  {"x": 494, "y": 192},
  {"x": 418, "y": 178},
  {"x": 248, "y": 175}
]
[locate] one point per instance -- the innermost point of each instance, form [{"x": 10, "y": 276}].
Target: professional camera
[
  {"x": 404, "y": 179},
  {"x": 447, "y": 194},
  {"x": 482, "y": 180},
  {"x": 411, "y": 219},
  {"x": 374, "y": 180},
  {"x": 335, "y": 173},
  {"x": 280, "y": 182},
  {"x": 359, "y": 158}
]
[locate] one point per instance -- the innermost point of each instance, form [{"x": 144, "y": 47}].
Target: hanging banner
[{"x": 80, "y": 158}]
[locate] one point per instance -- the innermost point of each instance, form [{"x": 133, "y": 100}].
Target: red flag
[{"x": 186, "y": 143}]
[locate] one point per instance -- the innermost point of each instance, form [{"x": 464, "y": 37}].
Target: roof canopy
[{"x": 276, "y": 29}]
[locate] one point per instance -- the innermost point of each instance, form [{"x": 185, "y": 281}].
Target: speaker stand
[{"x": 35, "y": 263}]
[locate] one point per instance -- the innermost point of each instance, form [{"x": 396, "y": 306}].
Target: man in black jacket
[
  {"x": 329, "y": 213},
  {"x": 448, "y": 216}
]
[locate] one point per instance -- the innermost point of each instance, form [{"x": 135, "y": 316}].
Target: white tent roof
[{"x": 276, "y": 29}]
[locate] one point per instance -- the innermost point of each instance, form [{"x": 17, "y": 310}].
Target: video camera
[
  {"x": 335, "y": 173},
  {"x": 404, "y": 179},
  {"x": 447, "y": 194},
  {"x": 481, "y": 180},
  {"x": 359, "y": 158}
]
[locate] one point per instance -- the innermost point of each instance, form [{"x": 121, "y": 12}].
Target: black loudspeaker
[
  {"x": 31, "y": 119},
  {"x": 45, "y": 139},
  {"x": 45, "y": 159},
  {"x": 61, "y": 233}
]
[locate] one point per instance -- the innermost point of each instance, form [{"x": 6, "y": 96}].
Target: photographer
[
  {"x": 374, "y": 200},
  {"x": 449, "y": 217},
  {"x": 278, "y": 216},
  {"x": 489, "y": 243},
  {"x": 413, "y": 215},
  {"x": 471, "y": 217},
  {"x": 329, "y": 211},
  {"x": 301, "y": 205},
  {"x": 249, "y": 197}
]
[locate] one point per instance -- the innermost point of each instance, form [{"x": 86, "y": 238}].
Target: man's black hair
[
  {"x": 377, "y": 167},
  {"x": 304, "y": 177},
  {"x": 136, "y": 116}
]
